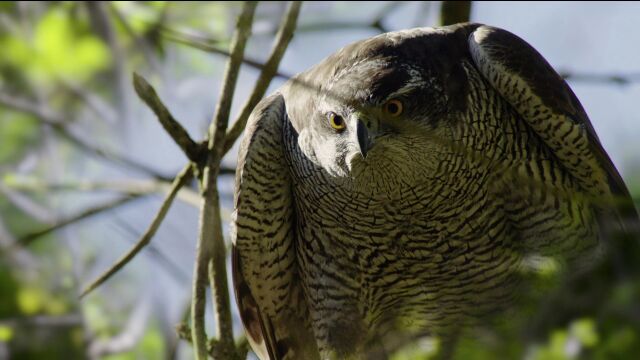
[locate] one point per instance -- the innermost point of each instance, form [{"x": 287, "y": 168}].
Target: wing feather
[
  {"x": 262, "y": 227},
  {"x": 544, "y": 100}
]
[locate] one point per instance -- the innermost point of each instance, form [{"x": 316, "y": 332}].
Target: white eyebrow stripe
[
  {"x": 407, "y": 88},
  {"x": 415, "y": 81}
]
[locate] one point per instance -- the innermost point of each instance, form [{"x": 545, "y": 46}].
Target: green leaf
[
  {"x": 585, "y": 331},
  {"x": 60, "y": 48},
  {"x": 6, "y": 333}
]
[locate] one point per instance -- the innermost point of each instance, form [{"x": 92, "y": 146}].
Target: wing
[
  {"x": 545, "y": 101},
  {"x": 549, "y": 107},
  {"x": 263, "y": 234}
]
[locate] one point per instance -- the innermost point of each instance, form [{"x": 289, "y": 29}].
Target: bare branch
[
  {"x": 191, "y": 41},
  {"x": 92, "y": 101},
  {"x": 40, "y": 111},
  {"x": 604, "y": 79},
  {"x": 146, "y": 92},
  {"x": 183, "y": 331},
  {"x": 284, "y": 36},
  {"x": 57, "y": 121},
  {"x": 141, "y": 43},
  {"x": 376, "y": 24},
  {"x": 384, "y": 11},
  {"x": 158, "y": 255},
  {"x": 180, "y": 180},
  {"x": 210, "y": 248},
  {"x": 453, "y": 12},
  {"x": 67, "y": 320},
  {"x": 131, "y": 334},
  {"x": 102, "y": 24},
  {"x": 27, "y": 205},
  {"x": 19, "y": 258},
  {"x": 341, "y": 25},
  {"x": 28, "y": 239},
  {"x": 130, "y": 187}
]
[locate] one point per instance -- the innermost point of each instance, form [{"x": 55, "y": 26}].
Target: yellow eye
[
  {"x": 337, "y": 122},
  {"x": 393, "y": 107}
]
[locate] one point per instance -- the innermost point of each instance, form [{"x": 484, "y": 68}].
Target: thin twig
[
  {"x": 28, "y": 239},
  {"x": 148, "y": 94},
  {"x": 375, "y": 24},
  {"x": 284, "y": 36},
  {"x": 40, "y": 111},
  {"x": 210, "y": 248},
  {"x": 26, "y": 204},
  {"x": 191, "y": 41},
  {"x": 340, "y": 26},
  {"x": 129, "y": 337},
  {"x": 104, "y": 28},
  {"x": 605, "y": 79},
  {"x": 40, "y": 321},
  {"x": 17, "y": 257},
  {"x": 383, "y": 13},
  {"x": 153, "y": 250},
  {"x": 183, "y": 332},
  {"x": 140, "y": 42},
  {"x": 57, "y": 121},
  {"x": 180, "y": 180},
  {"x": 129, "y": 187},
  {"x": 92, "y": 100}
]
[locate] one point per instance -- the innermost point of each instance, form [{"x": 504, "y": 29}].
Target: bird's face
[{"x": 370, "y": 118}]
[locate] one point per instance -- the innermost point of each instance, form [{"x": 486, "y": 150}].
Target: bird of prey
[{"x": 405, "y": 184}]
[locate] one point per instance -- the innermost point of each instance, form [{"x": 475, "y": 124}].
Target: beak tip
[{"x": 363, "y": 139}]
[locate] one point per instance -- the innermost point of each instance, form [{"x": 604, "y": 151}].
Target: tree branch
[
  {"x": 375, "y": 24},
  {"x": 28, "y": 239},
  {"x": 128, "y": 338},
  {"x": 453, "y": 12},
  {"x": 57, "y": 121},
  {"x": 28, "y": 206},
  {"x": 169, "y": 265},
  {"x": 92, "y": 100},
  {"x": 604, "y": 79},
  {"x": 129, "y": 187},
  {"x": 140, "y": 42},
  {"x": 103, "y": 27},
  {"x": 180, "y": 180},
  {"x": 191, "y": 41},
  {"x": 284, "y": 36},
  {"x": 146, "y": 92},
  {"x": 211, "y": 253}
]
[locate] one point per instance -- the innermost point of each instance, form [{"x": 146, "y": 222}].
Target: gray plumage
[{"x": 393, "y": 224}]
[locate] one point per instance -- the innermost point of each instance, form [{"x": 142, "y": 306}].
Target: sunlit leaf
[
  {"x": 30, "y": 300},
  {"x": 56, "y": 306},
  {"x": 57, "y": 49},
  {"x": 6, "y": 333},
  {"x": 585, "y": 331}
]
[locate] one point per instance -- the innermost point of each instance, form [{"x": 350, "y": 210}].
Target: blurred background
[{"x": 84, "y": 164}]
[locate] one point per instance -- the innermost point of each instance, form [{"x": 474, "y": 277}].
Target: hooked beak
[{"x": 363, "y": 138}]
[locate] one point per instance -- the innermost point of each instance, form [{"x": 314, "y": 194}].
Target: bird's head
[{"x": 373, "y": 105}]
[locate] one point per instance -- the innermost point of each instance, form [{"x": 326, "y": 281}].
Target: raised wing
[{"x": 269, "y": 296}]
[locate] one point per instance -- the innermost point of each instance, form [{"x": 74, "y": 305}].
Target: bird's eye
[
  {"x": 393, "y": 107},
  {"x": 336, "y": 121}
]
